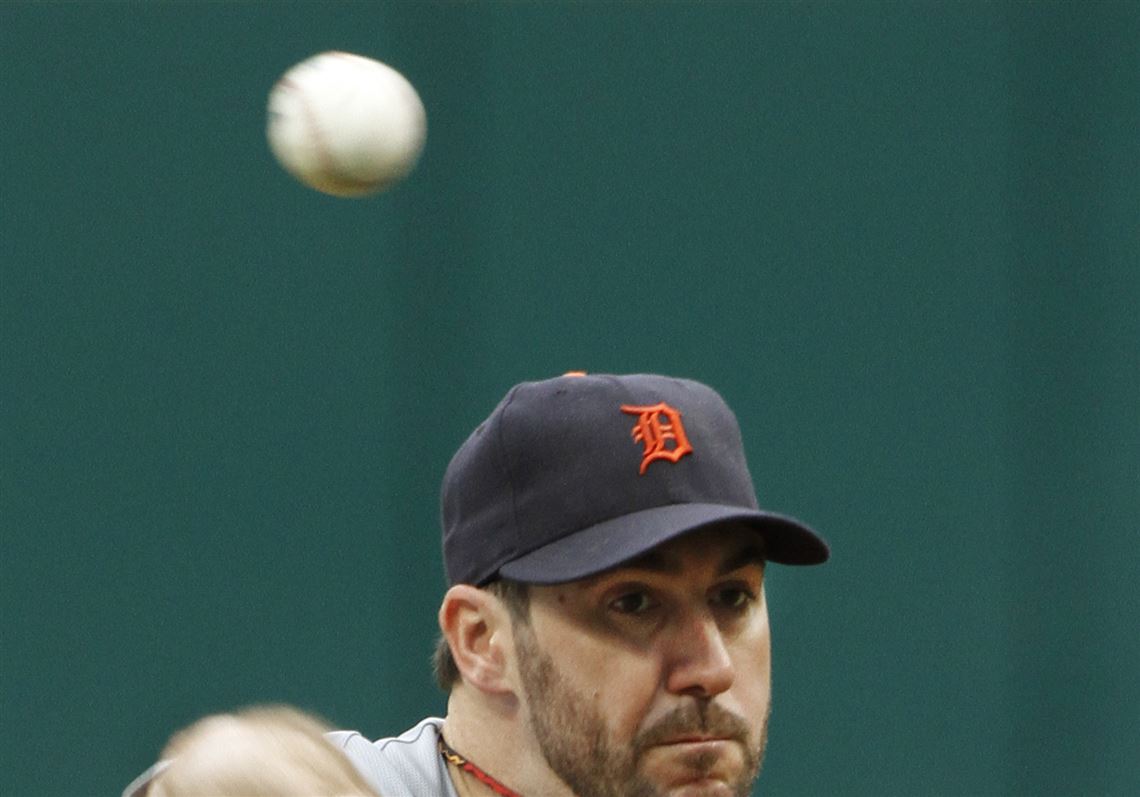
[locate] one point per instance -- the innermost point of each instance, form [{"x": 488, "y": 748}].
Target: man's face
[{"x": 653, "y": 679}]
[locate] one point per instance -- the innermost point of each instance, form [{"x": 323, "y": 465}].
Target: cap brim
[{"x": 608, "y": 544}]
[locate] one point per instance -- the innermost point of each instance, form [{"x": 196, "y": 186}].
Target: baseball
[{"x": 345, "y": 124}]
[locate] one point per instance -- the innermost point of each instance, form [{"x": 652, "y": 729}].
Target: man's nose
[{"x": 700, "y": 664}]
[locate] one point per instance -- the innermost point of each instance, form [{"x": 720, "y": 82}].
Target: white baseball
[{"x": 345, "y": 124}]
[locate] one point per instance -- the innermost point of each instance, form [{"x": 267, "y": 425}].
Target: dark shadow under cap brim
[{"x": 611, "y": 542}]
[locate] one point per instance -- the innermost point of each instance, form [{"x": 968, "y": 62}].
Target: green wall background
[{"x": 901, "y": 239}]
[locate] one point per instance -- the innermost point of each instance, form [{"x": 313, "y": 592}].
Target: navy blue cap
[{"x": 571, "y": 476}]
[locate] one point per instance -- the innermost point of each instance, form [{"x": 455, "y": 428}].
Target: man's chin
[
  {"x": 703, "y": 788},
  {"x": 709, "y": 768}
]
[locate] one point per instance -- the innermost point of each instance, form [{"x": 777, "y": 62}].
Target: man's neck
[
  {"x": 465, "y": 784},
  {"x": 493, "y": 736},
  {"x": 469, "y": 779}
]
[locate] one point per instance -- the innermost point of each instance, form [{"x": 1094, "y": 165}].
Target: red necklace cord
[{"x": 452, "y": 757}]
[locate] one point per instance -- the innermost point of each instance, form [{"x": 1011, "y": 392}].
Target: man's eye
[
  {"x": 632, "y": 603},
  {"x": 734, "y": 597}
]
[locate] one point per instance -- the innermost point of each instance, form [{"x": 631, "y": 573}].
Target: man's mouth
[
  {"x": 691, "y": 739},
  {"x": 693, "y": 729}
]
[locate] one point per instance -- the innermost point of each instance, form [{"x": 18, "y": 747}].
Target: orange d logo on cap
[{"x": 655, "y": 427}]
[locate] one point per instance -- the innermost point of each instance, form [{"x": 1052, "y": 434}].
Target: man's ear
[{"x": 477, "y": 627}]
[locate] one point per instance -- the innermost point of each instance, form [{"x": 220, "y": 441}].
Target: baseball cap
[{"x": 574, "y": 475}]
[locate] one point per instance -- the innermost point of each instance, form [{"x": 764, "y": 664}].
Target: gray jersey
[{"x": 408, "y": 765}]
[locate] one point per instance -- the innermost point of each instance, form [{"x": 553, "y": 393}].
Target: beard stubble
[{"x": 573, "y": 736}]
